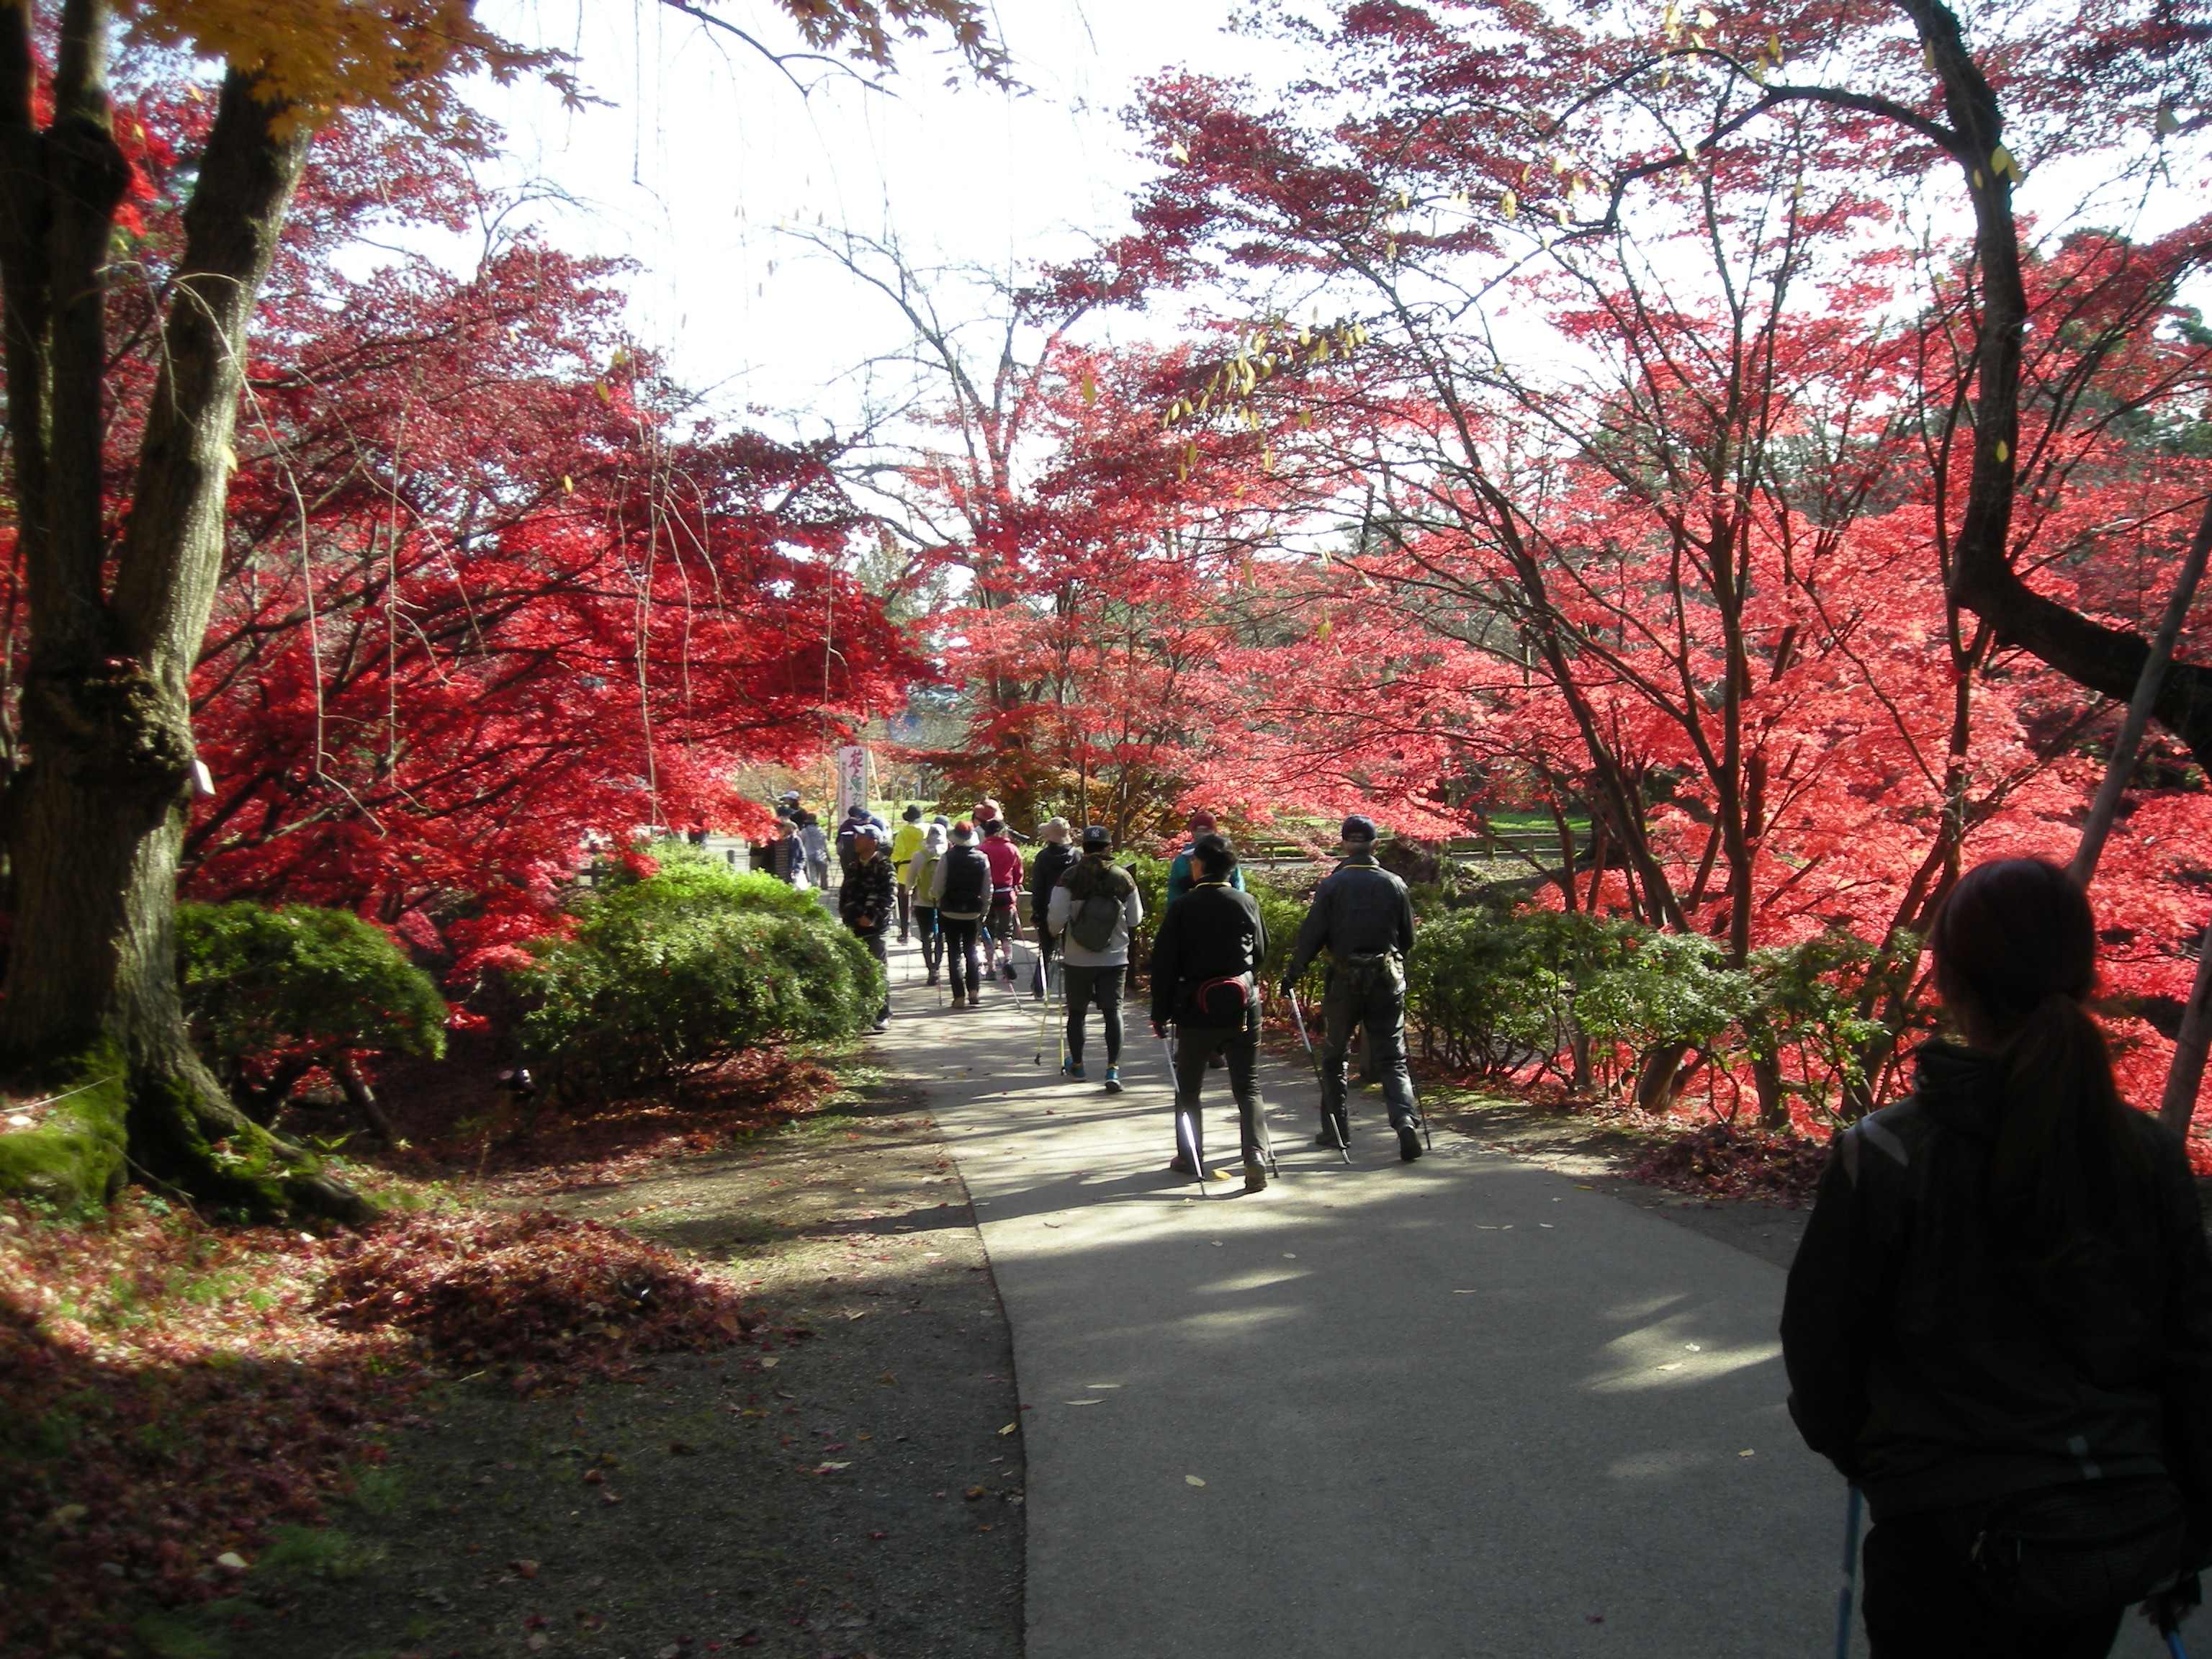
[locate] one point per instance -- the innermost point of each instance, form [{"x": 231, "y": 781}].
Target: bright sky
[{"x": 705, "y": 147}]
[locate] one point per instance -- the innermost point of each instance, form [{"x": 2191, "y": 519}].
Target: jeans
[
  {"x": 1380, "y": 1013},
  {"x": 1103, "y": 987},
  {"x": 960, "y": 952},
  {"x": 874, "y": 939},
  {"x": 1194, "y": 1049},
  {"x": 1922, "y": 1602},
  {"x": 933, "y": 940}
]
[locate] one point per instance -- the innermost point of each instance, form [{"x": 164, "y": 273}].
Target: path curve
[{"x": 1459, "y": 1409}]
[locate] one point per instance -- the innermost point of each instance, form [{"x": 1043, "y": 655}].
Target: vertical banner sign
[{"x": 852, "y": 779}]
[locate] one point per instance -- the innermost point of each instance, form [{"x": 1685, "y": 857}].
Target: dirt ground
[{"x": 856, "y": 1491}]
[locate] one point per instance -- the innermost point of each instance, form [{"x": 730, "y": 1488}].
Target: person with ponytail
[{"x": 1999, "y": 1322}]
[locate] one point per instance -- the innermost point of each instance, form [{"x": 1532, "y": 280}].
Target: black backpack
[{"x": 967, "y": 881}]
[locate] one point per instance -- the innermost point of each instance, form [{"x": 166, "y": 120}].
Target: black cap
[
  {"x": 1359, "y": 826},
  {"x": 912, "y": 815},
  {"x": 1096, "y": 838}
]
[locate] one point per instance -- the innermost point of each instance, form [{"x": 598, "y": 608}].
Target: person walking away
[
  {"x": 920, "y": 877},
  {"x": 1093, "y": 911},
  {"x": 1005, "y": 861},
  {"x": 866, "y": 904},
  {"x": 1998, "y": 1324},
  {"x": 1206, "y": 967},
  {"x": 857, "y": 817},
  {"x": 1202, "y": 822},
  {"x": 815, "y": 841},
  {"x": 1363, "y": 916},
  {"x": 960, "y": 892},
  {"x": 904, "y": 845},
  {"x": 1054, "y": 859}
]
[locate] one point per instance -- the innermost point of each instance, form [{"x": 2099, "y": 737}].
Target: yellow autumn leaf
[
  {"x": 1178, "y": 151},
  {"x": 1088, "y": 387},
  {"x": 2001, "y": 163},
  {"x": 1509, "y": 204},
  {"x": 318, "y": 57},
  {"x": 2003, "y": 451},
  {"x": 568, "y": 485},
  {"x": 1705, "y": 18}
]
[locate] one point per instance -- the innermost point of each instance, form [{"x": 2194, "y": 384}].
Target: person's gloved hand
[{"x": 1284, "y": 989}]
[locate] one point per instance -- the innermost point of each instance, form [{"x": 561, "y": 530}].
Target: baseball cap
[
  {"x": 1359, "y": 827},
  {"x": 1096, "y": 838}
]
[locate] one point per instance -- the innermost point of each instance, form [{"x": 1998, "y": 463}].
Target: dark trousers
[
  {"x": 1002, "y": 929},
  {"x": 1922, "y": 1604},
  {"x": 933, "y": 940},
  {"x": 1381, "y": 1014},
  {"x": 906, "y": 912},
  {"x": 960, "y": 952},
  {"x": 1103, "y": 986},
  {"x": 878, "y": 948},
  {"x": 1048, "y": 953},
  {"x": 1195, "y": 1047}
]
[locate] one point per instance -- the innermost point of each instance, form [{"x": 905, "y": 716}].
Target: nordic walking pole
[
  {"x": 1299, "y": 1020},
  {"x": 1186, "y": 1129},
  {"x": 1850, "y": 1575}
]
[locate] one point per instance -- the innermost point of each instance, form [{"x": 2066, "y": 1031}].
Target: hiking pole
[
  {"x": 1851, "y": 1575},
  {"x": 1336, "y": 1124},
  {"x": 1185, "y": 1125}
]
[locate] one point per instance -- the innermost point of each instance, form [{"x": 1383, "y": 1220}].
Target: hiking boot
[
  {"x": 1409, "y": 1142},
  {"x": 1113, "y": 1080},
  {"x": 931, "y": 981},
  {"x": 1255, "y": 1176},
  {"x": 959, "y": 998},
  {"x": 1071, "y": 1070},
  {"x": 1181, "y": 1164},
  {"x": 1335, "y": 1131},
  {"x": 880, "y": 1027}
]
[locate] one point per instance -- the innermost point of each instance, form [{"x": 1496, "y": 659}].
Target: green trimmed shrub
[
  {"x": 677, "y": 972},
  {"x": 270, "y": 994}
]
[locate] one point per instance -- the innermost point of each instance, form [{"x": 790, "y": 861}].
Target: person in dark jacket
[
  {"x": 1363, "y": 916},
  {"x": 1206, "y": 967},
  {"x": 960, "y": 893},
  {"x": 1999, "y": 1322},
  {"x": 1054, "y": 859},
  {"x": 867, "y": 905}
]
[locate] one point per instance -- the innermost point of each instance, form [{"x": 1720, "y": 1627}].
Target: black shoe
[
  {"x": 1255, "y": 1176},
  {"x": 1409, "y": 1143},
  {"x": 931, "y": 981},
  {"x": 1326, "y": 1138}
]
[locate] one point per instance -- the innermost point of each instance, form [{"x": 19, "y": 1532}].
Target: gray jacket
[{"x": 1358, "y": 909}]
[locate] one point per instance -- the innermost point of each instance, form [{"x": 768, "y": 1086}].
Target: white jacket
[{"x": 1116, "y": 953}]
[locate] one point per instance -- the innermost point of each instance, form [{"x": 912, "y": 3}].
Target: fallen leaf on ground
[{"x": 1193, "y": 1481}]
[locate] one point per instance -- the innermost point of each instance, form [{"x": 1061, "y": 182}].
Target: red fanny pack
[{"x": 1221, "y": 1001}]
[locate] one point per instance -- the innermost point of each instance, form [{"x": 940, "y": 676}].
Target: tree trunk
[{"x": 98, "y": 813}]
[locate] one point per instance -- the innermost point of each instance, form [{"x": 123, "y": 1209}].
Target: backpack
[
  {"x": 1096, "y": 918},
  {"x": 967, "y": 881}
]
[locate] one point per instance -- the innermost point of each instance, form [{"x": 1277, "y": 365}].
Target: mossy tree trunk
[{"x": 96, "y": 811}]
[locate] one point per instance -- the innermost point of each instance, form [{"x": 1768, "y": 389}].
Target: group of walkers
[{"x": 1998, "y": 1326}]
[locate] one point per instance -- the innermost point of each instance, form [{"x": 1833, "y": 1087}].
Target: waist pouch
[
  {"x": 1224, "y": 1002},
  {"x": 1364, "y": 971},
  {"x": 2075, "y": 1551}
]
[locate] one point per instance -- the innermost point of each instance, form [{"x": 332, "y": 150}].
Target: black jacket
[
  {"x": 1213, "y": 931},
  {"x": 1934, "y": 1372},
  {"x": 1054, "y": 859},
  {"x": 1359, "y": 909},
  {"x": 867, "y": 892}
]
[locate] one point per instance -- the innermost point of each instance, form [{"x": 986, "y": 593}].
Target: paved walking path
[{"x": 1458, "y": 1409}]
